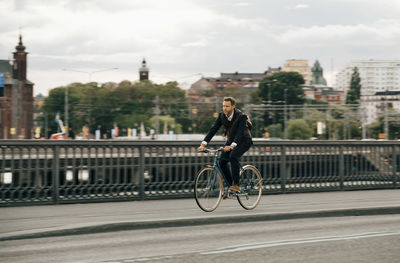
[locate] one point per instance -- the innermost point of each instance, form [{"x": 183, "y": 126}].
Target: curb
[{"x": 126, "y": 226}]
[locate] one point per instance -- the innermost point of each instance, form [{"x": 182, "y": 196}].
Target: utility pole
[
  {"x": 157, "y": 115},
  {"x": 217, "y": 105},
  {"x": 285, "y": 116},
  {"x": 386, "y": 121},
  {"x": 66, "y": 113},
  {"x": 363, "y": 120},
  {"x": 328, "y": 119}
]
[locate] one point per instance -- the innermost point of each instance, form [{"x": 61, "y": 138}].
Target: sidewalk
[{"x": 69, "y": 219}]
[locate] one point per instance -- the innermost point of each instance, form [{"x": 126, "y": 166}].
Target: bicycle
[{"x": 209, "y": 188}]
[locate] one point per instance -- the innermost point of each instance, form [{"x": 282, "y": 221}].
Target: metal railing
[{"x": 40, "y": 172}]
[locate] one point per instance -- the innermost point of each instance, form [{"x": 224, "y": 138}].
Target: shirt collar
[{"x": 230, "y": 117}]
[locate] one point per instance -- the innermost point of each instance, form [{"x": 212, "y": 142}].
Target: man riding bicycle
[{"x": 239, "y": 140}]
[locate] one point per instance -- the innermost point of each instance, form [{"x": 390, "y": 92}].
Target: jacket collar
[{"x": 235, "y": 114}]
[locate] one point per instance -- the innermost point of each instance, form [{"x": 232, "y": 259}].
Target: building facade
[
  {"x": 300, "y": 66},
  {"x": 16, "y": 97},
  {"x": 373, "y": 106},
  {"x": 318, "y": 90},
  {"x": 324, "y": 93},
  {"x": 376, "y": 76},
  {"x": 247, "y": 80}
]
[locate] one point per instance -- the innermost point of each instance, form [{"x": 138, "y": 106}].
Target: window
[{"x": 2, "y": 92}]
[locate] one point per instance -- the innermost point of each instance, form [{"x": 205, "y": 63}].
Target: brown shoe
[
  {"x": 235, "y": 188},
  {"x": 224, "y": 196}
]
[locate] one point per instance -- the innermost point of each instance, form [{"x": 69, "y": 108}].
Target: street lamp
[
  {"x": 285, "y": 113},
  {"x": 90, "y": 73}
]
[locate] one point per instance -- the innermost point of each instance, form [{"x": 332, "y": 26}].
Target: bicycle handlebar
[{"x": 220, "y": 149}]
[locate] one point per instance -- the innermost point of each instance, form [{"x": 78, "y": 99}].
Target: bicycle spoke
[
  {"x": 251, "y": 187},
  {"x": 208, "y": 189}
]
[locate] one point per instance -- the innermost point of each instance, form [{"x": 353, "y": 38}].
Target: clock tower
[{"x": 143, "y": 71}]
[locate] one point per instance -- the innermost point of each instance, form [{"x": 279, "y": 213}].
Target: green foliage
[
  {"x": 126, "y": 104},
  {"x": 377, "y": 127},
  {"x": 272, "y": 88},
  {"x": 275, "y": 130},
  {"x": 203, "y": 120},
  {"x": 311, "y": 115},
  {"x": 353, "y": 95},
  {"x": 298, "y": 129}
]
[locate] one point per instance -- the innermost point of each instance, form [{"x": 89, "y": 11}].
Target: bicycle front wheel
[
  {"x": 250, "y": 187},
  {"x": 208, "y": 189}
]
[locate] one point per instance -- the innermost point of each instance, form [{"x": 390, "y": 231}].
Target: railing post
[
  {"x": 283, "y": 169},
  {"x": 341, "y": 167},
  {"x": 141, "y": 171},
  {"x": 55, "y": 174}
]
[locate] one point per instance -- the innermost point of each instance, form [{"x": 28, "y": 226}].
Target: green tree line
[{"x": 277, "y": 104}]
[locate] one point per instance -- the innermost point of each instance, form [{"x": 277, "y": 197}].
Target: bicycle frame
[
  {"x": 217, "y": 167},
  {"x": 210, "y": 189}
]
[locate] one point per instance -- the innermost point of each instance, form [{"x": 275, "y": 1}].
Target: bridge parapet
[{"x": 36, "y": 172}]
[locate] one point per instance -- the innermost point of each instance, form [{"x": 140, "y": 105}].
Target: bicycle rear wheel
[
  {"x": 250, "y": 187},
  {"x": 208, "y": 189}
]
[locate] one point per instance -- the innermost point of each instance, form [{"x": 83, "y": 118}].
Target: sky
[{"x": 183, "y": 40}]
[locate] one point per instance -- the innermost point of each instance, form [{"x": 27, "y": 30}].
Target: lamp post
[
  {"x": 285, "y": 115},
  {"x": 89, "y": 73}
]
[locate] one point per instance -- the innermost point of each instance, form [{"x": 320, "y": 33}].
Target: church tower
[
  {"x": 144, "y": 71},
  {"x": 21, "y": 96},
  {"x": 19, "y": 67},
  {"x": 317, "y": 75}
]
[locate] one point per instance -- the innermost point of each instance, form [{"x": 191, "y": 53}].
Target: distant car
[{"x": 58, "y": 136}]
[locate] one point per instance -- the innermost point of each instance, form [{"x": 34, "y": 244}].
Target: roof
[
  {"x": 380, "y": 93},
  {"x": 241, "y": 76},
  {"x": 5, "y": 66}
]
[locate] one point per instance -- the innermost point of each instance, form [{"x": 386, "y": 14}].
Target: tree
[
  {"x": 279, "y": 89},
  {"x": 298, "y": 129},
  {"x": 354, "y": 93},
  {"x": 272, "y": 88},
  {"x": 275, "y": 130},
  {"x": 127, "y": 104},
  {"x": 374, "y": 129}
]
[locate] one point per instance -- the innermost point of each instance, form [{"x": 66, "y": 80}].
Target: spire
[
  {"x": 144, "y": 71},
  {"x": 317, "y": 74},
  {"x": 20, "y": 47},
  {"x": 19, "y": 63}
]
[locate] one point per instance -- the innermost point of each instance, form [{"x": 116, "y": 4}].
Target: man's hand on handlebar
[
  {"x": 201, "y": 148},
  {"x": 228, "y": 148}
]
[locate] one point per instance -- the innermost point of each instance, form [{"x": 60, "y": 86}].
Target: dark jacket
[{"x": 236, "y": 130}]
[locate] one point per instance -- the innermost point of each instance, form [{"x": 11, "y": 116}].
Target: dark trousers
[{"x": 234, "y": 158}]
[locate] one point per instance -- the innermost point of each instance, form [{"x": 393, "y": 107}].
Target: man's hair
[{"x": 231, "y": 99}]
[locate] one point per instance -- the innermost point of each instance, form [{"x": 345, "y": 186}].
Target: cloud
[
  {"x": 299, "y": 6},
  {"x": 382, "y": 32},
  {"x": 241, "y": 4},
  {"x": 199, "y": 43},
  {"x": 183, "y": 37}
]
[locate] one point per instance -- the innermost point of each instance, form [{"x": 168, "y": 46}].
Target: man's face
[{"x": 228, "y": 108}]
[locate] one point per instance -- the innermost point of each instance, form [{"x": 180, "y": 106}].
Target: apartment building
[
  {"x": 300, "y": 66},
  {"x": 376, "y": 76}
]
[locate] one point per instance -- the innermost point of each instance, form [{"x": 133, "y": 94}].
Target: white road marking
[
  {"x": 298, "y": 241},
  {"x": 261, "y": 245}
]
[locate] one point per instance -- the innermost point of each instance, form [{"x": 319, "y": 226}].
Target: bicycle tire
[
  {"x": 250, "y": 187},
  {"x": 208, "y": 189}
]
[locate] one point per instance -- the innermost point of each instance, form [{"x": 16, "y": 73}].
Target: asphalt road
[{"x": 333, "y": 239}]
